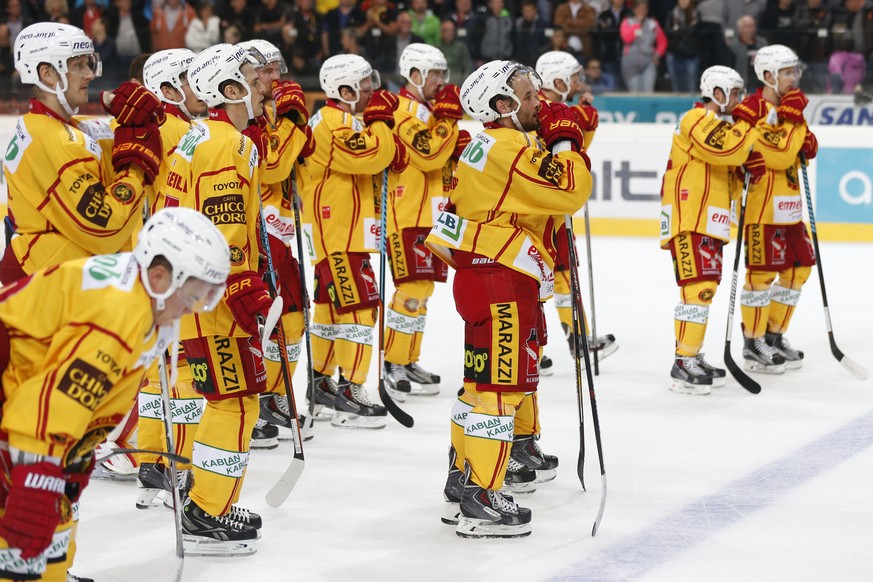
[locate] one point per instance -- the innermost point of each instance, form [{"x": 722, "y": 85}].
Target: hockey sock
[
  {"x": 354, "y": 343},
  {"x": 463, "y": 405},
  {"x": 488, "y": 436},
  {"x": 755, "y": 302},
  {"x": 324, "y": 331},
  {"x": 402, "y": 320},
  {"x": 691, "y": 315},
  {"x": 293, "y": 326},
  {"x": 527, "y": 417},
  {"x": 784, "y": 297}
]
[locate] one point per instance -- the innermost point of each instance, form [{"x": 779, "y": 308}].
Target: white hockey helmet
[
  {"x": 774, "y": 58},
  {"x": 424, "y": 58},
  {"x": 220, "y": 63},
  {"x": 268, "y": 50},
  {"x": 554, "y": 65},
  {"x": 346, "y": 71},
  {"x": 493, "y": 79},
  {"x": 720, "y": 77},
  {"x": 54, "y": 44},
  {"x": 168, "y": 66},
  {"x": 193, "y": 246}
]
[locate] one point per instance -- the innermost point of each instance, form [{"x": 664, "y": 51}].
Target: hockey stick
[
  {"x": 738, "y": 374},
  {"x": 591, "y": 290},
  {"x": 177, "y": 496},
  {"x": 581, "y": 343},
  {"x": 398, "y": 413},
  {"x": 854, "y": 368},
  {"x": 280, "y": 491},
  {"x": 126, "y": 451}
]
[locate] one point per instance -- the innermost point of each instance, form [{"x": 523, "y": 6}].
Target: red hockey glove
[
  {"x": 247, "y": 298},
  {"x": 134, "y": 105},
  {"x": 448, "y": 103},
  {"x": 381, "y": 107},
  {"x": 791, "y": 106},
  {"x": 309, "y": 146},
  {"x": 810, "y": 145},
  {"x": 290, "y": 101},
  {"x": 287, "y": 275},
  {"x": 557, "y": 123},
  {"x": 463, "y": 140},
  {"x": 140, "y": 146},
  {"x": 33, "y": 507},
  {"x": 257, "y": 132},
  {"x": 755, "y": 167},
  {"x": 78, "y": 477},
  {"x": 589, "y": 119},
  {"x": 750, "y": 110},
  {"x": 401, "y": 157}
]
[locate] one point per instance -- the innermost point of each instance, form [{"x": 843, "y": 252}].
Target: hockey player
[
  {"x": 777, "y": 240},
  {"x": 289, "y": 140},
  {"x": 415, "y": 199},
  {"x": 698, "y": 187},
  {"x": 75, "y": 189},
  {"x": 342, "y": 202},
  {"x": 563, "y": 79},
  {"x": 511, "y": 194},
  {"x": 72, "y": 368},
  {"x": 215, "y": 170}
]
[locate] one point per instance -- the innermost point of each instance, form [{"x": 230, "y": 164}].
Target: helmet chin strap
[{"x": 61, "y": 93}]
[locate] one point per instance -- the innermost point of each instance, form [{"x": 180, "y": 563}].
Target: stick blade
[
  {"x": 744, "y": 380},
  {"x": 394, "y": 410},
  {"x": 271, "y": 320},
  {"x": 853, "y": 367},
  {"x": 599, "y": 517},
  {"x": 277, "y": 495}
]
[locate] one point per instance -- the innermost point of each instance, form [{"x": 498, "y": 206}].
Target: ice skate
[
  {"x": 325, "y": 396},
  {"x": 184, "y": 480},
  {"x": 718, "y": 375},
  {"x": 759, "y": 356},
  {"x": 354, "y": 409},
  {"x": 275, "y": 410},
  {"x": 486, "y": 513},
  {"x": 209, "y": 535},
  {"x": 396, "y": 382},
  {"x": 264, "y": 436},
  {"x": 605, "y": 346},
  {"x": 152, "y": 483},
  {"x": 424, "y": 383},
  {"x": 793, "y": 358},
  {"x": 122, "y": 467},
  {"x": 546, "y": 366},
  {"x": 73, "y": 578},
  {"x": 689, "y": 378},
  {"x": 245, "y": 517},
  {"x": 519, "y": 479},
  {"x": 527, "y": 451},
  {"x": 452, "y": 494}
]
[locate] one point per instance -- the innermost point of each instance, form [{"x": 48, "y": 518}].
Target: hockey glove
[
  {"x": 810, "y": 145},
  {"x": 401, "y": 157},
  {"x": 750, "y": 110},
  {"x": 559, "y": 123},
  {"x": 755, "y": 167},
  {"x": 463, "y": 141},
  {"x": 791, "y": 106},
  {"x": 290, "y": 101},
  {"x": 448, "y": 103},
  {"x": 33, "y": 507},
  {"x": 140, "y": 146},
  {"x": 589, "y": 119},
  {"x": 257, "y": 132},
  {"x": 77, "y": 477},
  {"x": 287, "y": 275},
  {"x": 134, "y": 105},
  {"x": 247, "y": 298},
  {"x": 381, "y": 107}
]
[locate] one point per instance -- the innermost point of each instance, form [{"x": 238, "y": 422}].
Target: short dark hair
[{"x": 136, "y": 66}]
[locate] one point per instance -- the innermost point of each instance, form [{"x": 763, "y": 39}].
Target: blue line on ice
[{"x": 690, "y": 525}]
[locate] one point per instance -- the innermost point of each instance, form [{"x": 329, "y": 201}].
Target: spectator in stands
[
  {"x": 85, "y": 14},
  {"x": 237, "y": 13},
  {"x": 644, "y": 46},
  {"x": 576, "y": 19},
  {"x": 607, "y": 42},
  {"x": 559, "y": 42},
  {"x": 349, "y": 43},
  {"x": 169, "y": 24},
  {"x": 744, "y": 47},
  {"x": 205, "y": 30},
  {"x": 846, "y": 66},
  {"x": 424, "y": 23},
  {"x": 57, "y": 11},
  {"x": 855, "y": 18},
  {"x": 683, "y": 48},
  {"x": 814, "y": 16},
  {"x": 322, "y": 7},
  {"x": 530, "y": 39},
  {"x": 598, "y": 80},
  {"x": 11, "y": 22},
  {"x": 231, "y": 35},
  {"x": 104, "y": 45},
  {"x": 496, "y": 42},
  {"x": 403, "y": 37},
  {"x": 130, "y": 29},
  {"x": 33, "y": 11},
  {"x": 457, "y": 54},
  {"x": 467, "y": 25},
  {"x": 301, "y": 37},
  {"x": 270, "y": 17},
  {"x": 377, "y": 34},
  {"x": 346, "y": 15},
  {"x": 733, "y": 10},
  {"x": 777, "y": 23}
]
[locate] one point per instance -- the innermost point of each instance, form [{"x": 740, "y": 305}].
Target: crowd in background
[{"x": 639, "y": 46}]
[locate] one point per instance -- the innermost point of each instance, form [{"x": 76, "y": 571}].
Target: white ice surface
[{"x": 725, "y": 487}]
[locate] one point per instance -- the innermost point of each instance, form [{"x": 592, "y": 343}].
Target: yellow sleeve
[
  {"x": 780, "y": 144},
  {"x": 352, "y": 150},
  {"x": 430, "y": 145},
  {"x": 286, "y": 141},
  {"x": 716, "y": 141}
]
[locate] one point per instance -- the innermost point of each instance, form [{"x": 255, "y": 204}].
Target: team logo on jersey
[
  {"x": 411, "y": 304},
  {"x": 236, "y": 256},
  {"x": 423, "y": 256},
  {"x": 85, "y": 384},
  {"x": 274, "y": 142},
  {"x": 356, "y": 142},
  {"x": 92, "y": 206},
  {"x": 778, "y": 246},
  {"x": 441, "y": 131},
  {"x": 706, "y": 295},
  {"x": 773, "y": 137},
  {"x": 715, "y": 138},
  {"x": 368, "y": 276},
  {"x": 551, "y": 170},
  {"x": 88, "y": 442},
  {"x": 122, "y": 193},
  {"x": 791, "y": 177},
  {"x": 421, "y": 141},
  {"x": 226, "y": 209},
  {"x": 709, "y": 252}
]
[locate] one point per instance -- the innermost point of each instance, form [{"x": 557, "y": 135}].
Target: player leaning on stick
[
  {"x": 778, "y": 243},
  {"x": 341, "y": 209},
  {"x": 704, "y": 173},
  {"x": 415, "y": 199},
  {"x": 72, "y": 368},
  {"x": 512, "y": 191},
  {"x": 215, "y": 170},
  {"x": 563, "y": 79},
  {"x": 289, "y": 140}
]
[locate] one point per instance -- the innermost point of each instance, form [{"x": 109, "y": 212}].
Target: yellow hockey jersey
[
  {"x": 416, "y": 197},
  {"x": 82, "y": 335},
  {"x": 699, "y": 182},
  {"x": 343, "y": 193},
  {"x": 64, "y": 197},
  {"x": 172, "y": 132},
  {"x": 510, "y": 197},
  {"x": 215, "y": 170}
]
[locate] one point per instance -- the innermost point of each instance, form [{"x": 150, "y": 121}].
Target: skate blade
[
  {"x": 264, "y": 444},
  {"x": 322, "y": 413},
  {"x": 545, "y": 475},
  {"x": 718, "y": 382},
  {"x": 603, "y": 353},
  {"x": 396, "y": 395},
  {"x": 349, "y": 420},
  {"x": 520, "y": 488},
  {"x": 547, "y": 371},
  {"x": 693, "y": 389},
  {"x": 793, "y": 364},
  {"x": 105, "y": 474},
  {"x": 753, "y": 366},
  {"x": 286, "y": 437},
  {"x": 451, "y": 513},
  {"x": 425, "y": 390},
  {"x": 201, "y": 546},
  {"x": 149, "y": 498},
  {"x": 480, "y": 528}
]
